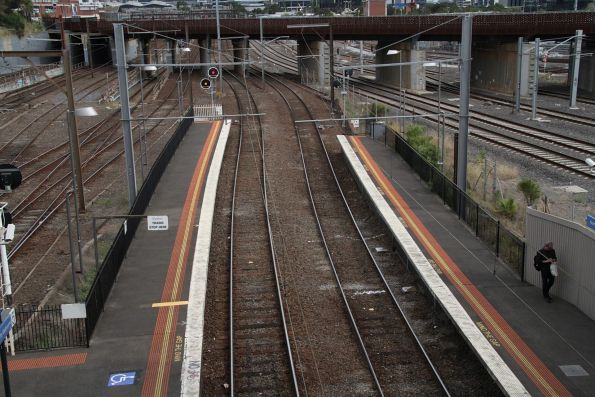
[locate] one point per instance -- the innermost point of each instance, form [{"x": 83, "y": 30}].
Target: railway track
[
  {"x": 391, "y": 348},
  {"x": 260, "y": 352},
  {"x": 583, "y": 119},
  {"x": 550, "y": 148},
  {"x": 45, "y": 196}
]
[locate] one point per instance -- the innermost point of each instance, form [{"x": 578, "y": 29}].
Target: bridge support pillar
[
  {"x": 411, "y": 77},
  {"x": 240, "y": 54},
  {"x": 171, "y": 57},
  {"x": 112, "y": 47},
  {"x": 312, "y": 63},
  {"x": 86, "y": 47},
  {"x": 205, "y": 53},
  {"x": 586, "y": 76},
  {"x": 494, "y": 67}
]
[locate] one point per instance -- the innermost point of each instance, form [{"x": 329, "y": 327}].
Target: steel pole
[
  {"x": 219, "y": 47},
  {"x": 575, "y": 67},
  {"x": 332, "y": 67},
  {"x": 125, "y": 111},
  {"x": 5, "y": 375},
  {"x": 261, "y": 55},
  {"x": 466, "y": 36},
  {"x": 75, "y": 157},
  {"x": 535, "y": 81},
  {"x": 519, "y": 73},
  {"x": 90, "y": 47},
  {"x": 401, "y": 95},
  {"x": 68, "y": 221}
]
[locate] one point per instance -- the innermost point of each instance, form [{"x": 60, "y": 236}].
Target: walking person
[{"x": 543, "y": 260}]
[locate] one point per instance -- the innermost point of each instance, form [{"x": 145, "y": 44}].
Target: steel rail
[
  {"x": 362, "y": 240},
  {"x": 271, "y": 245},
  {"x": 552, "y": 157}
]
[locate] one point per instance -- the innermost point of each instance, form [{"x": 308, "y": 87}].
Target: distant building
[{"x": 374, "y": 8}]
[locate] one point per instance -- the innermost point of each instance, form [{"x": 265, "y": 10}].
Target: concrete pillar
[
  {"x": 112, "y": 47},
  {"x": 131, "y": 49},
  {"x": 312, "y": 63},
  {"x": 413, "y": 76},
  {"x": 494, "y": 67},
  {"x": 172, "y": 48},
  {"x": 85, "y": 41},
  {"x": 586, "y": 76},
  {"x": 145, "y": 48},
  {"x": 240, "y": 54},
  {"x": 205, "y": 53}
]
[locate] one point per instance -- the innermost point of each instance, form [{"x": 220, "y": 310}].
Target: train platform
[
  {"x": 548, "y": 346},
  {"x": 137, "y": 347}
]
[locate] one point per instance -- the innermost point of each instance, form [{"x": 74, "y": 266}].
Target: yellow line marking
[{"x": 164, "y": 304}]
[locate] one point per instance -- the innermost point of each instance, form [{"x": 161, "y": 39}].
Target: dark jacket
[{"x": 543, "y": 255}]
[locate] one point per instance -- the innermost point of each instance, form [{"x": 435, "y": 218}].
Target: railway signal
[
  {"x": 213, "y": 72},
  {"x": 10, "y": 177},
  {"x": 205, "y": 84}
]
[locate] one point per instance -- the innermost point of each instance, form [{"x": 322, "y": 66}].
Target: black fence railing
[
  {"x": 108, "y": 270},
  {"x": 505, "y": 244},
  {"x": 43, "y": 328}
]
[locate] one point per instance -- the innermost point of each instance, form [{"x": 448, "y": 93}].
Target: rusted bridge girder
[{"x": 429, "y": 27}]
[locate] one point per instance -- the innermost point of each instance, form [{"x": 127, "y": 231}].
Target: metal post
[
  {"x": 361, "y": 56},
  {"x": 219, "y": 47},
  {"x": 7, "y": 285},
  {"x": 439, "y": 100},
  {"x": 75, "y": 157},
  {"x": 261, "y": 55},
  {"x": 143, "y": 142},
  {"x": 575, "y": 67},
  {"x": 125, "y": 111},
  {"x": 95, "y": 244},
  {"x": 5, "y": 375},
  {"x": 535, "y": 81},
  {"x": 442, "y": 155},
  {"x": 401, "y": 95},
  {"x": 465, "y": 78},
  {"x": 575, "y": 5},
  {"x": 332, "y": 67},
  {"x": 68, "y": 220},
  {"x": 519, "y": 73}
]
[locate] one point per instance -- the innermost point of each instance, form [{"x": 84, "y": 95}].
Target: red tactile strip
[
  {"x": 527, "y": 360},
  {"x": 46, "y": 362}
]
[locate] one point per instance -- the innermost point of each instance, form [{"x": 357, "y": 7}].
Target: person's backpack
[{"x": 537, "y": 263}]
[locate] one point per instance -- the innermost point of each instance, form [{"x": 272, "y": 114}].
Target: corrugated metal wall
[{"x": 575, "y": 248}]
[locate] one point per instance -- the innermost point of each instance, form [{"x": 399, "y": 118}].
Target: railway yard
[{"x": 307, "y": 292}]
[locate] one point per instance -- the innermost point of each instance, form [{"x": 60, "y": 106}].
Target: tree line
[{"x": 14, "y": 15}]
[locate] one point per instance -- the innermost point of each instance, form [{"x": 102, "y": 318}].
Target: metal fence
[
  {"x": 43, "y": 328},
  {"x": 108, "y": 270},
  {"x": 505, "y": 244}
]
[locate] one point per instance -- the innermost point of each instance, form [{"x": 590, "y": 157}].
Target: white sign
[
  {"x": 159, "y": 222},
  {"x": 73, "y": 310},
  {"x": 355, "y": 123}
]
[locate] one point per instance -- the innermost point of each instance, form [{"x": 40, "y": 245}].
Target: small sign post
[
  {"x": 8, "y": 321},
  {"x": 590, "y": 221}
]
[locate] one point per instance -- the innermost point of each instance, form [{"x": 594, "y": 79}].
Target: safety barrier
[
  {"x": 43, "y": 328},
  {"x": 505, "y": 244}
]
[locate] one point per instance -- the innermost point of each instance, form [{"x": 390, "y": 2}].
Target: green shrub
[
  {"x": 530, "y": 190},
  {"x": 506, "y": 208},
  {"x": 417, "y": 138}
]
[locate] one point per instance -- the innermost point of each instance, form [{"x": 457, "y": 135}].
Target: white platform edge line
[
  {"x": 499, "y": 370},
  {"x": 191, "y": 364}
]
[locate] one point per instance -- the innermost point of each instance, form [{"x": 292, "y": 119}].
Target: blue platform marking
[{"x": 121, "y": 379}]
